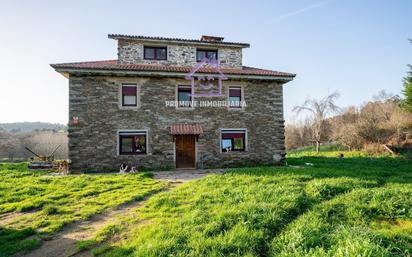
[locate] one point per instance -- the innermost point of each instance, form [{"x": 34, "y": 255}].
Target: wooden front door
[{"x": 185, "y": 151}]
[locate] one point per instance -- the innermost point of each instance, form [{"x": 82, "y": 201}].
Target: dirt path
[
  {"x": 64, "y": 243},
  {"x": 8, "y": 218},
  {"x": 185, "y": 174}
]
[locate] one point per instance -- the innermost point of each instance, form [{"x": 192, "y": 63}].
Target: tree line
[
  {"x": 41, "y": 141},
  {"x": 379, "y": 121},
  {"x": 385, "y": 120}
]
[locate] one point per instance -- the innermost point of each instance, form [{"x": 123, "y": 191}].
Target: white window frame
[
  {"x": 146, "y": 131},
  {"x": 242, "y": 97},
  {"x": 221, "y": 130},
  {"x": 121, "y": 106}
]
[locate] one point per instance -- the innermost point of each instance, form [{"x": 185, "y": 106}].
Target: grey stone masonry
[
  {"x": 93, "y": 142},
  {"x": 131, "y": 51}
]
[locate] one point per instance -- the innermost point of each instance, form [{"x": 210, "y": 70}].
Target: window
[
  {"x": 235, "y": 97},
  {"x": 129, "y": 95},
  {"x": 233, "y": 140},
  {"x": 184, "y": 96},
  {"x": 155, "y": 53},
  {"x": 132, "y": 142},
  {"x": 210, "y": 54}
]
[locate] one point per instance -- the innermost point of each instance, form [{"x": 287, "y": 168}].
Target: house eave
[
  {"x": 177, "y": 41},
  {"x": 68, "y": 71}
]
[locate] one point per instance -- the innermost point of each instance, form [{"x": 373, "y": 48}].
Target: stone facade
[
  {"x": 93, "y": 142},
  {"x": 97, "y": 114},
  {"x": 131, "y": 51}
]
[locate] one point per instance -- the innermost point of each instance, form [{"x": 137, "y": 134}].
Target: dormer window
[
  {"x": 205, "y": 53},
  {"x": 155, "y": 53}
]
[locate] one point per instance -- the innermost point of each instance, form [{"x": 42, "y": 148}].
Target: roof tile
[
  {"x": 113, "y": 65},
  {"x": 186, "y": 129},
  {"x": 138, "y": 37}
]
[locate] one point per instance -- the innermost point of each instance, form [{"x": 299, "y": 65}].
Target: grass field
[
  {"x": 355, "y": 206},
  {"x": 35, "y": 204},
  {"x": 319, "y": 205}
]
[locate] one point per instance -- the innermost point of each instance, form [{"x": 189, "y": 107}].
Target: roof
[
  {"x": 177, "y": 40},
  {"x": 114, "y": 66},
  {"x": 186, "y": 129}
]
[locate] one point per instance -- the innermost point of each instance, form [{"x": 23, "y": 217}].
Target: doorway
[{"x": 185, "y": 151}]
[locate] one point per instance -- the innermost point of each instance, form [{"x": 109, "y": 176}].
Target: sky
[{"x": 354, "y": 47}]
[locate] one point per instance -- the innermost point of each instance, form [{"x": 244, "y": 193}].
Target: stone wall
[
  {"x": 131, "y": 51},
  {"x": 93, "y": 142}
]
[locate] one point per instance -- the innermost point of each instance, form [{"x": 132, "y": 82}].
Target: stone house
[{"x": 159, "y": 106}]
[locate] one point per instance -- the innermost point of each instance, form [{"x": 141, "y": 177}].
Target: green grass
[
  {"x": 44, "y": 204},
  {"x": 333, "y": 154},
  {"x": 352, "y": 206},
  {"x": 358, "y": 205},
  {"x": 326, "y": 147}
]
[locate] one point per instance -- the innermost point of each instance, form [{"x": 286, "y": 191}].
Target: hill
[{"x": 30, "y": 126}]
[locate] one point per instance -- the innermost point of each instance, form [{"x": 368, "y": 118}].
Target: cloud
[{"x": 304, "y": 9}]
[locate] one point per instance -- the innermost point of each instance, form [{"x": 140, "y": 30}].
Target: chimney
[{"x": 211, "y": 39}]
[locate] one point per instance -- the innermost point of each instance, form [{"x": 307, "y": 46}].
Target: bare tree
[
  {"x": 9, "y": 145},
  {"x": 399, "y": 123},
  {"x": 385, "y": 104},
  {"x": 319, "y": 110},
  {"x": 45, "y": 142},
  {"x": 298, "y": 134},
  {"x": 374, "y": 117},
  {"x": 344, "y": 128}
]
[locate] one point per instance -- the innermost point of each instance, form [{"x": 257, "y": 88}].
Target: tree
[
  {"x": 379, "y": 121},
  {"x": 407, "y": 91},
  {"x": 319, "y": 110},
  {"x": 344, "y": 128},
  {"x": 400, "y": 122},
  {"x": 298, "y": 135},
  {"x": 384, "y": 104},
  {"x": 46, "y": 141},
  {"x": 9, "y": 145}
]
